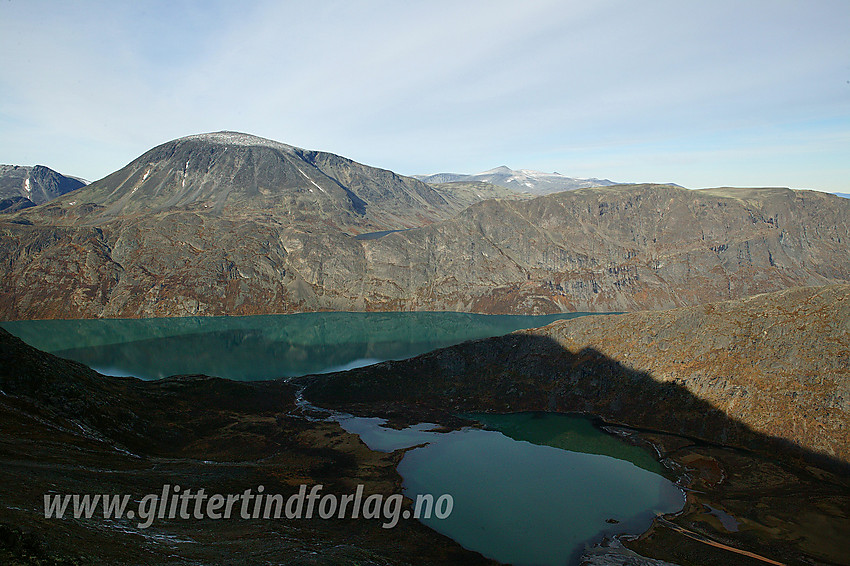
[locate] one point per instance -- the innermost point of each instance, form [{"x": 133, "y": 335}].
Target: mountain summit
[
  {"x": 522, "y": 180},
  {"x": 234, "y": 173}
]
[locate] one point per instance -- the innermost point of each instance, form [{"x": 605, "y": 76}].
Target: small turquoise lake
[{"x": 531, "y": 488}]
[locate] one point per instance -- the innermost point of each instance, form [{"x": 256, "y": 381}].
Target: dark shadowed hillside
[
  {"x": 775, "y": 365},
  {"x": 68, "y": 429},
  {"x": 768, "y": 375}
]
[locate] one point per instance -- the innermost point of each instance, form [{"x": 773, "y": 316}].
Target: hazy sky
[{"x": 702, "y": 93}]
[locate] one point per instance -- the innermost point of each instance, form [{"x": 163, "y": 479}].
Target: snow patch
[
  {"x": 311, "y": 180},
  {"x": 237, "y": 138}
]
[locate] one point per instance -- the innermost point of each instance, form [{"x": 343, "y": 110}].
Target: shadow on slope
[
  {"x": 752, "y": 498},
  {"x": 65, "y": 429},
  {"x": 526, "y": 372},
  {"x": 73, "y": 417}
]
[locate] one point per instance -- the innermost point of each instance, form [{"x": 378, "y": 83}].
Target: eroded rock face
[
  {"x": 749, "y": 372},
  {"x": 617, "y": 249},
  {"x": 623, "y": 248}
]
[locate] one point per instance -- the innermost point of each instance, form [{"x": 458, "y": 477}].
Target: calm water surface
[
  {"x": 260, "y": 347},
  {"x": 532, "y": 489}
]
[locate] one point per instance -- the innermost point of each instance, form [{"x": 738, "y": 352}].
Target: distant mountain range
[
  {"x": 229, "y": 223},
  {"x": 522, "y": 180},
  {"x": 22, "y": 187},
  {"x": 843, "y": 195}
]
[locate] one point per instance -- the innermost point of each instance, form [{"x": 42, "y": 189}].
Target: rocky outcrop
[{"x": 765, "y": 370}]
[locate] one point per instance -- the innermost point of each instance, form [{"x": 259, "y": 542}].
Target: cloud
[{"x": 420, "y": 87}]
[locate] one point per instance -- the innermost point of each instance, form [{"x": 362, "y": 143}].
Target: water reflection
[
  {"x": 525, "y": 502},
  {"x": 260, "y": 347}
]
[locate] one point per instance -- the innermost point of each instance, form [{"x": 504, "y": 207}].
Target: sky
[{"x": 720, "y": 93}]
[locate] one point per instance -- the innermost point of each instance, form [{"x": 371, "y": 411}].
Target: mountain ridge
[
  {"x": 235, "y": 171},
  {"x": 232, "y": 224},
  {"x": 22, "y": 186},
  {"x": 521, "y": 180},
  {"x": 616, "y": 248}
]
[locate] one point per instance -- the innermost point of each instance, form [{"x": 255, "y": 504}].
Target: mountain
[
  {"x": 238, "y": 174},
  {"x": 523, "y": 180},
  {"x": 22, "y": 187},
  {"x": 617, "y": 248},
  {"x": 842, "y": 195},
  {"x": 273, "y": 223}
]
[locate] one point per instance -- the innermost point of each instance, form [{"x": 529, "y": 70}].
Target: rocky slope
[
  {"x": 22, "y": 187},
  {"x": 619, "y": 248},
  {"x": 773, "y": 366}
]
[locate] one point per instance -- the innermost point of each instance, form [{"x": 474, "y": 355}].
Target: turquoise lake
[
  {"x": 532, "y": 488},
  {"x": 260, "y": 347}
]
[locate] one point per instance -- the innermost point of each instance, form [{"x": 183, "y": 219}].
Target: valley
[
  {"x": 728, "y": 442},
  {"x": 425, "y": 284},
  {"x": 255, "y": 286}
]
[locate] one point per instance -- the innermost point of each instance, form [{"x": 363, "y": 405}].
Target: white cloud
[{"x": 420, "y": 87}]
